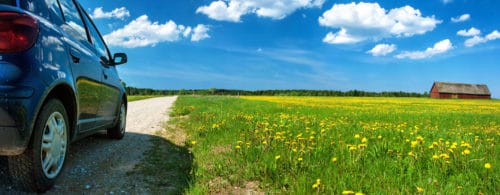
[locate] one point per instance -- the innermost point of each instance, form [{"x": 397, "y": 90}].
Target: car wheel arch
[
  {"x": 125, "y": 102},
  {"x": 66, "y": 95},
  {"x": 124, "y": 99}
]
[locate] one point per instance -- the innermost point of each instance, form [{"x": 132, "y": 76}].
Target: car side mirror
[{"x": 119, "y": 58}]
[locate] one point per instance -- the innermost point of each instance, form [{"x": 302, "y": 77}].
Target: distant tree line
[{"x": 291, "y": 92}]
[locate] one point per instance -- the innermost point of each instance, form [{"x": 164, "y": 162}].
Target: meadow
[
  {"x": 341, "y": 145},
  {"x": 132, "y": 98}
]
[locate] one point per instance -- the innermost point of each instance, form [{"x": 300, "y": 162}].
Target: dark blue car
[{"x": 58, "y": 83}]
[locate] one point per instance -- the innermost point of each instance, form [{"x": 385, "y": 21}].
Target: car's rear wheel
[
  {"x": 38, "y": 167},
  {"x": 118, "y": 131}
]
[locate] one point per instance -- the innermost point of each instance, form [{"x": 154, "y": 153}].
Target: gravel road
[{"x": 98, "y": 165}]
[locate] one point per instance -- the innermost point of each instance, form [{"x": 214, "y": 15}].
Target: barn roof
[{"x": 462, "y": 88}]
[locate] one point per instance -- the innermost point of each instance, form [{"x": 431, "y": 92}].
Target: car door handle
[
  {"x": 105, "y": 75},
  {"x": 75, "y": 59}
]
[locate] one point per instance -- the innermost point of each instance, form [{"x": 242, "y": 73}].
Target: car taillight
[{"x": 18, "y": 32}]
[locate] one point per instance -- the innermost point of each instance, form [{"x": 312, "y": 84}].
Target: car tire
[
  {"x": 118, "y": 131},
  {"x": 42, "y": 162}
]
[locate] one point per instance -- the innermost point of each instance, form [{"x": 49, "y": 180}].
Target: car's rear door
[{"x": 85, "y": 65}]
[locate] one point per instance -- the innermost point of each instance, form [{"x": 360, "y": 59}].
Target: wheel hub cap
[{"x": 54, "y": 143}]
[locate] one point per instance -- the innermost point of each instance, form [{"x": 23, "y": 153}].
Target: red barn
[{"x": 460, "y": 91}]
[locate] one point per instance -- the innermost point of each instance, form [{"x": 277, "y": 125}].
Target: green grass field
[
  {"x": 139, "y": 97},
  {"x": 308, "y": 145}
]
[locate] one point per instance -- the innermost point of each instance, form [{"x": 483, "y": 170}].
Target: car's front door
[{"x": 110, "y": 91}]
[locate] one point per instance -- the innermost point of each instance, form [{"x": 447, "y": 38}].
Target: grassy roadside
[
  {"x": 167, "y": 166},
  {"x": 341, "y": 145}
]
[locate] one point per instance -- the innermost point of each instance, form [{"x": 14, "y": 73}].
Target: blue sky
[{"x": 303, "y": 44}]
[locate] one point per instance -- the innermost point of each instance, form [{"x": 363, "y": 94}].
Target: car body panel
[{"x": 29, "y": 78}]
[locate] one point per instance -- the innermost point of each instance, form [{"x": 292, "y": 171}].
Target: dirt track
[{"x": 98, "y": 165}]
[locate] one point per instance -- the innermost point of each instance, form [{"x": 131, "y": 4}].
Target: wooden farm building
[{"x": 460, "y": 91}]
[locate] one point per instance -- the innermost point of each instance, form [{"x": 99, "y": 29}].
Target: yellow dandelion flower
[
  {"x": 334, "y": 159},
  {"x": 348, "y": 192},
  {"x": 316, "y": 185},
  {"x": 277, "y": 157},
  {"x": 379, "y": 137},
  {"x": 193, "y": 142},
  {"x": 435, "y": 157},
  {"x": 362, "y": 146},
  {"x": 364, "y": 140},
  {"x": 487, "y": 166},
  {"x": 351, "y": 148},
  {"x": 414, "y": 144},
  {"x": 444, "y": 156},
  {"x": 356, "y": 136},
  {"x": 420, "y": 190},
  {"x": 420, "y": 138},
  {"x": 465, "y": 145},
  {"x": 237, "y": 147},
  {"x": 412, "y": 154},
  {"x": 300, "y": 159},
  {"x": 359, "y": 193},
  {"x": 466, "y": 152}
]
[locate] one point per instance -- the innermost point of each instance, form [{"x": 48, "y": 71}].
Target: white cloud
[
  {"x": 341, "y": 37},
  {"x": 200, "y": 32},
  {"x": 474, "y": 41},
  {"x": 493, "y": 35},
  {"x": 141, "y": 32},
  {"x": 232, "y": 10},
  {"x": 461, "y": 18},
  {"x": 119, "y": 13},
  {"x": 469, "y": 33},
  {"x": 440, "y": 47},
  {"x": 219, "y": 10},
  {"x": 186, "y": 31},
  {"x": 478, "y": 39},
  {"x": 370, "y": 21},
  {"x": 382, "y": 49}
]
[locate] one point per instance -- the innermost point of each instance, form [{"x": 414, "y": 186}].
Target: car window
[
  {"x": 35, "y": 6},
  {"x": 73, "y": 20},
  {"x": 96, "y": 39},
  {"x": 8, "y": 2},
  {"x": 54, "y": 8}
]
